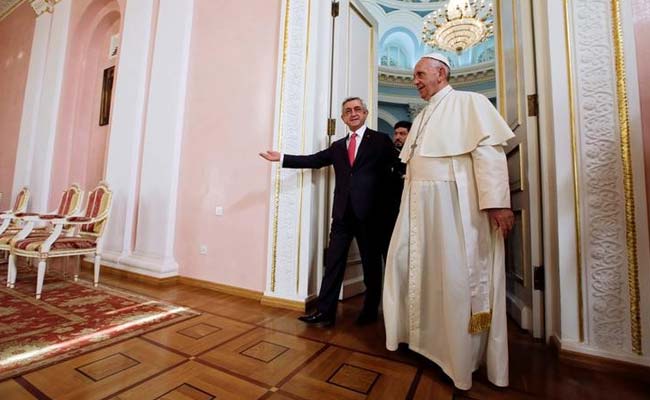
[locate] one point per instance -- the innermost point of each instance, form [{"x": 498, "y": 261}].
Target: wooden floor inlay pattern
[
  {"x": 343, "y": 374},
  {"x": 64, "y": 380},
  {"x": 10, "y": 389},
  {"x": 199, "y": 331},
  {"x": 199, "y": 334},
  {"x": 265, "y": 367},
  {"x": 357, "y": 379},
  {"x": 186, "y": 392},
  {"x": 193, "y": 380},
  {"x": 265, "y": 351},
  {"x": 107, "y": 366},
  {"x": 240, "y": 350}
]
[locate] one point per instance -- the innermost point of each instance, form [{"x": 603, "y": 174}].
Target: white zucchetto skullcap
[{"x": 440, "y": 57}]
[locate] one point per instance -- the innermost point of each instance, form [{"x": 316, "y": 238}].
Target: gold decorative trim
[
  {"x": 11, "y": 9},
  {"x": 302, "y": 149},
  {"x": 576, "y": 186},
  {"x": 628, "y": 180},
  {"x": 276, "y": 200},
  {"x": 501, "y": 90},
  {"x": 480, "y": 322}
]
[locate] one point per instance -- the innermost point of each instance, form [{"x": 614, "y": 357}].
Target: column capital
[{"x": 43, "y": 6}]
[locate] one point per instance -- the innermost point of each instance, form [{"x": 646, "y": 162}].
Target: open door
[
  {"x": 517, "y": 102},
  {"x": 353, "y": 73}
]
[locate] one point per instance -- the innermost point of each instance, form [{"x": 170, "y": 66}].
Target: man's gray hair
[
  {"x": 438, "y": 64},
  {"x": 349, "y": 99}
]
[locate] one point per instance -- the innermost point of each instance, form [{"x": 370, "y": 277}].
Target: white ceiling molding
[
  {"x": 412, "y": 5},
  {"x": 477, "y": 73},
  {"x": 41, "y": 6},
  {"x": 8, "y": 6}
]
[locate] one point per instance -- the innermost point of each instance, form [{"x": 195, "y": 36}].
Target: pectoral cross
[{"x": 413, "y": 147}]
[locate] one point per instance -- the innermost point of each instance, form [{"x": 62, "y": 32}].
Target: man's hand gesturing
[{"x": 271, "y": 155}]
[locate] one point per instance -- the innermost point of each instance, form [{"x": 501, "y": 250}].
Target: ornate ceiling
[
  {"x": 413, "y": 5},
  {"x": 7, "y": 5}
]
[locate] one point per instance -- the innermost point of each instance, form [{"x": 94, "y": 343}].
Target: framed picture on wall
[{"x": 107, "y": 90}]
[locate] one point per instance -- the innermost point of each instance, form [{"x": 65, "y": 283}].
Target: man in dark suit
[
  {"x": 362, "y": 162},
  {"x": 395, "y": 183}
]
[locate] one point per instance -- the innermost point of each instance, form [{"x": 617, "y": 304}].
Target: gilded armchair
[
  {"x": 7, "y": 216},
  {"x": 85, "y": 240},
  {"x": 69, "y": 204}
]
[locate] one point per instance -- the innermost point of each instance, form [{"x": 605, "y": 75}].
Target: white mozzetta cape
[{"x": 457, "y": 125}]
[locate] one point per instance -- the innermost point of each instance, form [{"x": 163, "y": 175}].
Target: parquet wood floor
[{"x": 239, "y": 349}]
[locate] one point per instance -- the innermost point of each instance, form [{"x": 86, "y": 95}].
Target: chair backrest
[
  {"x": 97, "y": 207},
  {"x": 70, "y": 200},
  {"x": 22, "y": 198}
]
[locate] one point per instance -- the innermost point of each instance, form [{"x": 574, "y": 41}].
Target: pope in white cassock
[{"x": 444, "y": 290}]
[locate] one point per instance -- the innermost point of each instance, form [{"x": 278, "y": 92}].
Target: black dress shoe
[
  {"x": 366, "y": 318},
  {"x": 317, "y": 318}
]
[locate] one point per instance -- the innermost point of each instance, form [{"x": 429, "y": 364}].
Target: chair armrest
[{"x": 52, "y": 216}]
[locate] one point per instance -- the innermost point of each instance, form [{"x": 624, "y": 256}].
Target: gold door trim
[
  {"x": 628, "y": 181},
  {"x": 576, "y": 170}
]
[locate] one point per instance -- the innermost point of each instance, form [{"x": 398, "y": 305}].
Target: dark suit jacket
[{"x": 362, "y": 185}]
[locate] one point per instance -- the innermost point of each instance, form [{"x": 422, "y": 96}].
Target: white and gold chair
[
  {"x": 8, "y": 216},
  {"x": 86, "y": 239},
  {"x": 69, "y": 204}
]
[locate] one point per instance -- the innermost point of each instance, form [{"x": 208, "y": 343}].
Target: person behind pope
[{"x": 444, "y": 289}]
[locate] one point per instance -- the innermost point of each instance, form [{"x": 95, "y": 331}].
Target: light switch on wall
[
  {"x": 218, "y": 210},
  {"x": 203, "y": 249}
]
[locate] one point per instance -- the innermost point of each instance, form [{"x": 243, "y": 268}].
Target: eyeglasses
[{"x": 357, "y": 109}]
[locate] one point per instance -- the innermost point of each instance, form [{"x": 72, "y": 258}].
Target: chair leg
[
  {"x": 97, "y": 258},
  {"x": 77, "y": 268},
  {"x": 40, "y": 279},
  {"x": 11, "y": 271}
]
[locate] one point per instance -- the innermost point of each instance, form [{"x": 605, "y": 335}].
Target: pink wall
[
  {"x": 641, "y": 33},
  {"x": 16, "y": 34},
  {"x": 81, "y": 143},
  {"x": 229, "y": 119}
]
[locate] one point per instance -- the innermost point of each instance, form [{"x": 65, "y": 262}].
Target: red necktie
[{"x": 352, "y": 148}]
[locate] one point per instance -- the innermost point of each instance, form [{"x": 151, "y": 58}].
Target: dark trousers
[{"x": 369, "y": 240}]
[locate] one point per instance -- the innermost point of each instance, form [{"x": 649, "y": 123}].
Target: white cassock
[{"x": 444, "y": 289}]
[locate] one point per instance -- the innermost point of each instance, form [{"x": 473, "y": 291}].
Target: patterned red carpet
[{"x": 70, "y": 319}]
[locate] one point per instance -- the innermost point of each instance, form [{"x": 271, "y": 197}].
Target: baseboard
[
  {"x": 295, "y": 305},
  {"x": 120, "y": 273},
  {"x": 221, "y": 288},
  {"x": 519, "y": 312},
  {"x": 598, "y": 363}
]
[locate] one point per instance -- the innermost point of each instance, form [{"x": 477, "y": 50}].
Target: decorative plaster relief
[
  {"x": 285, "y": 243},
  {"x": 601, "y": 180}
]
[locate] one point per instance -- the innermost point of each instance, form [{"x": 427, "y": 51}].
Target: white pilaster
[
  {"x": 606, "y": 308},
  {"x": 295, "y": 237},
  {"x": 41, "y": 111},
  {"x": 123, "y": 159},
  {"x": 31, "y": 103},
  {"x": 154, "y": 246}
]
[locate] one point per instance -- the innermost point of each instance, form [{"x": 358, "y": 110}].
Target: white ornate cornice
[
  {"x": 8, "y": 6},
  {"x": 423, "y": 5},
  {"x": 477, "y": 73},
  {"x": 42, "y": 6}
]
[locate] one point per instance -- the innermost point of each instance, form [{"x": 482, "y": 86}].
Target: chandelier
[{"x": 458, "y": 25}]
